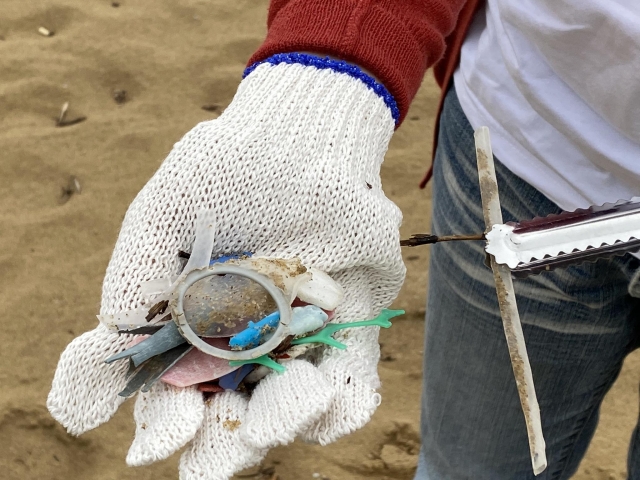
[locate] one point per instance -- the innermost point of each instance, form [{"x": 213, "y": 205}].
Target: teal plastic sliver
[
  {"x": 325, "y": 335},
  {"x": 265, "y": 360}
]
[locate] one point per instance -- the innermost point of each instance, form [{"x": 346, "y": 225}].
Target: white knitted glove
[{"x": 290, "y": 169}]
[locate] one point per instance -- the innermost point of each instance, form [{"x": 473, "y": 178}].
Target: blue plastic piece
[
  {"x": 226, "y": 258},
  {"x": 251, "y": 336},
  {"x": 230, "y": 381}
]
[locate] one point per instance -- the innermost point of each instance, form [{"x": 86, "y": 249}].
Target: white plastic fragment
[
  {"x": 130, "y": 319},
  {"x": 298, "y": 350},
  {"x": 321, "y": 290},
  {"x": 45, "y": 32},
  {"x": 203, "y": 243},
  {"x": 307, "y": 319},
  {"x": 64, "y": 109},
  {"x": 258, "y": 374},
  {"x": 156, "y": 286}
]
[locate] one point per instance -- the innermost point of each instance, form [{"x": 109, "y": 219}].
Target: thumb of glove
[{"x": 84, "y": 393}]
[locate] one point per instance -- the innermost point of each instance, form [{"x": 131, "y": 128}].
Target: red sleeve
[{"x": 396, "y": 40}]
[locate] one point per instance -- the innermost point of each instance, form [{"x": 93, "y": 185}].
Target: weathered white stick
[{"x": 508, "y": 306}]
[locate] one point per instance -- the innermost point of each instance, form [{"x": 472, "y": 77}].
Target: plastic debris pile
[{"x": 224, "y": 324}]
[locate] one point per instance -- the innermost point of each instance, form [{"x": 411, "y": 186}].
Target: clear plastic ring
[{"x": 179, "y": 317}]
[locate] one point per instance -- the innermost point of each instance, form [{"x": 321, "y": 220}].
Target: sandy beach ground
[{"x": 171, "y": 57}]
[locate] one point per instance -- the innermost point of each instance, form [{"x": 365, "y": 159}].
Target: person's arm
[
  {"x": 290, "y": 169},
  {"x": 396, "y": 40}
]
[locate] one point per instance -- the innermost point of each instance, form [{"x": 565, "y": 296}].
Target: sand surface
[{"x": 171, "y": 57}]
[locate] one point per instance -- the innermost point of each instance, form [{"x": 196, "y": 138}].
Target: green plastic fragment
[
  {"x": 265, "y": 360},
  {"x": 324, "y": 335}
]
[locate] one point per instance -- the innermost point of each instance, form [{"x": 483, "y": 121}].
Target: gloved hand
[{"x": 290, "y": 169}]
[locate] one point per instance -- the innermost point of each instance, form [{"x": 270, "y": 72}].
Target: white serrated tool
[{"x": 567, "y": 238}]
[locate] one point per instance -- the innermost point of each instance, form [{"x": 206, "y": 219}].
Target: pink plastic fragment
[
  {"x": 197, "y": 367},
  {"x": 136, "y": 340}
]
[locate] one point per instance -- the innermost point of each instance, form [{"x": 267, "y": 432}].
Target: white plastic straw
[{"x": 508, "y": 306}]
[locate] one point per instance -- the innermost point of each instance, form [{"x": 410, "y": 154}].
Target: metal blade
[{"x": 508, "y": 306}]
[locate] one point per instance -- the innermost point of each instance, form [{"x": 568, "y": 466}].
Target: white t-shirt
[{"x": 558, "y": 84}]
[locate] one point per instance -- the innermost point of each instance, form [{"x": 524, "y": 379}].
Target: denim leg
[
  {"x": 633, "y": 461},
  {"x": 579, "y": 324},
  {"x": 633, "y": 458}
]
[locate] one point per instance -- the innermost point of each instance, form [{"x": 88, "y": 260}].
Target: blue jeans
[{"x": 579, "y": 324}]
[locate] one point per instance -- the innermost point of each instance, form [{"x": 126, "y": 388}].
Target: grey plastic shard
[
  {"x": 162, "y": 363},
  {"x": 152, "y": 370},
  {"x": 163, "y": 340}
]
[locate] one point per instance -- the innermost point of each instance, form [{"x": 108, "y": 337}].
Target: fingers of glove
[
  {"x": 354, "y": 402},
  {"x": 84, "y": 393},
  {"x": 218, "y": 451},
  {"x": 284, "y": 405},
  {"x": 352, "y": 373},
  {"x": 166, "y": 419}
]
